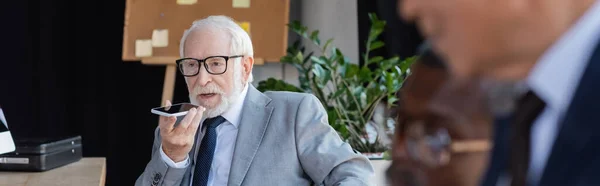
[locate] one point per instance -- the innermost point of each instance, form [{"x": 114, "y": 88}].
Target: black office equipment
[{"x": 42, "y": 154}]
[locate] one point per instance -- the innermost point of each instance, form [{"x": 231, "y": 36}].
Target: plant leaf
[
  {"x": 340, "y": 58},
  {"x": 297, "y": 27},
  {"x": 286, "y": 59},
  {"x": 294, "y": 48},
  {"x": 328, "y": 62},
  {"x": 317, "y": 60},
  {"x": 326, "y": 78},
  {"x": 391, "y": 100},
  {"x": 299, "y": 58},
  {"x": 332, "y": 115},
  {"x": 365, "y": 74},
  {"x": 398, "y": 70},
  {"x": 341, "y": 69},
  {"x": 273, "y": 84},
  {"x": 299, "y": 67},
  {"x": 314, "y": 37},
  {"x": 318, "y": 71},
  {"x": 363, "y": 99},
  {"x": 351, "y": 70},
  {"x": 376, "y": 45},
  {"x": 327, "y": 43},
  {"x": 322, "y": 75},
  {"x": 307, "y": 58},
  {"x": 373, "y": 17},
  {"x": 389, "y": 63},
  {"x": 338, "y": 52},
  {"x": 406, "y": 63},
  {"x": 389, "y": 80},
  {"x": 375, "y": 59},
  {"x": 338, "y": 93}
]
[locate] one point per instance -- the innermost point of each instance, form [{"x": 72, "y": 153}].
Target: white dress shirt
[
  {"x": 226, "y": 137},
  {"x": 554, "y": 79}
]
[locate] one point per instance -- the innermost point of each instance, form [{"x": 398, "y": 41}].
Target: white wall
[{"x": 333, "y": 18}]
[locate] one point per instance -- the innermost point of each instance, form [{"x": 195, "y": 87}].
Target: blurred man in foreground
[
  {"x": 551, "y": 47},
  {"x": 443, "y": 129},
  {"x": 245, "y": 137}
]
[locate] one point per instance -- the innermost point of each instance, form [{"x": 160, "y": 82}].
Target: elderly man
[
  {"x": 550, "y": 46},
  {"x": 240, "y": 136}
]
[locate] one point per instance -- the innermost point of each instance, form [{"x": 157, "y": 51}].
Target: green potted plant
[{"x": 349, "y": 92}]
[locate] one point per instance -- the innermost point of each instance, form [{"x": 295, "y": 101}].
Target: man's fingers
[
  {"x": 167, "y": 104},
  {"x": 166, "y": 123},
  {"x": 196, "y": 121},
  {"x": 183, "y": 125}
]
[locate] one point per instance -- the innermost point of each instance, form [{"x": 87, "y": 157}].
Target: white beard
[{"x": 226, "y": 101}]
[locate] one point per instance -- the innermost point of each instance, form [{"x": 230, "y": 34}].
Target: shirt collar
[
  {"x": 234, "y": 113},
  {"x": 556, "y": 75}
]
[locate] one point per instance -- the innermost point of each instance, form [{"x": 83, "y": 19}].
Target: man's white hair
[{"x": 240, "y": 40}]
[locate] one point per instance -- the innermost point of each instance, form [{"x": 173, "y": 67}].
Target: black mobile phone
[{"x": 179, "y": 109}]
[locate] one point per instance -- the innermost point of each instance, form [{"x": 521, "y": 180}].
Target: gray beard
[
  {"x": 502, "y": 97},
  {"x": 226, "y": 102}
]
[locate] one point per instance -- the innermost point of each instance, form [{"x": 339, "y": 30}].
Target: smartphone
[{"x": 179, "y": 109}]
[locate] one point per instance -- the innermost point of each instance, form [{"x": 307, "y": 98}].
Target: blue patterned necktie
[{"x": 207, "y": 149}]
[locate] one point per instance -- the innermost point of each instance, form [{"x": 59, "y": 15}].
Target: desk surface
[{"x": 87, "y": 171}]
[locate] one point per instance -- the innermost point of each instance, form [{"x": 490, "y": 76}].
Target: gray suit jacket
[{"x": 283, "y": 139}]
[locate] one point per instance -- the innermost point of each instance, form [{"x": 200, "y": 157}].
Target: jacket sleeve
[
  {"x": 157, "y": 171},
  {"x": 323, "y": 155}
]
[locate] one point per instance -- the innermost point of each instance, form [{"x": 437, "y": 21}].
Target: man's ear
[{"x": 247, "y": 64}]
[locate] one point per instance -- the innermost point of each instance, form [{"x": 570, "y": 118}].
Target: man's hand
[{"x": 178, "y": 141}]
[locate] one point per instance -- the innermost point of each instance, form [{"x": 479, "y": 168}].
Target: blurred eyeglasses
[
  {"x": 214, "y": 65},
  {"x": 431, "y": 145}
]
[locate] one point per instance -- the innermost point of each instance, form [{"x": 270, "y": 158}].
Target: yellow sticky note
[
  {"x": 186, "y": 2},
  {"x": 241, "y": 3},
  {"x": 143, "y": 48},
  {"x": 245, "y": 26},
  {"x": 160, "y": 38}
]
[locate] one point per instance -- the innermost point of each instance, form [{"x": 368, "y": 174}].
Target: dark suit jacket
[{"x": 575, "y": 155}]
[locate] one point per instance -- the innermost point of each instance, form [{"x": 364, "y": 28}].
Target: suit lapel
[
  {"x": 577, "y": 130},
  {"x": 253, "y": 124}
]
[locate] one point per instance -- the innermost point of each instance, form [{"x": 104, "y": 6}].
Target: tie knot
[
  {"x": 213, "y": 122},
  {"x": 532, "y": 101}
]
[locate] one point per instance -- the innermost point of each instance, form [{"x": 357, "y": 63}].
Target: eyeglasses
[
  {"x": 434, "y": 146},
  {"x": 214, "y": 65}
]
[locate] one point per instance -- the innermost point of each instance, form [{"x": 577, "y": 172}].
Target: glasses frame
[{"x": 178, "y": 62}]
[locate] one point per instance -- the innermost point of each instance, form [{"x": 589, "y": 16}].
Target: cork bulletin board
[{"x": 153, "y": 28}]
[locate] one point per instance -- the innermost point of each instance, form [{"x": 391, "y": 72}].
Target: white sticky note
[
  {"x": 241, "y": 3},
  {"x": 143, "y": 48},
  {"x": 160, "y": 38},
  {"x": 186, "y": 2}
]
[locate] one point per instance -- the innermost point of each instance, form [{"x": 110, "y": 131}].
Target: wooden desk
[{"x": 87, "y": 171}]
